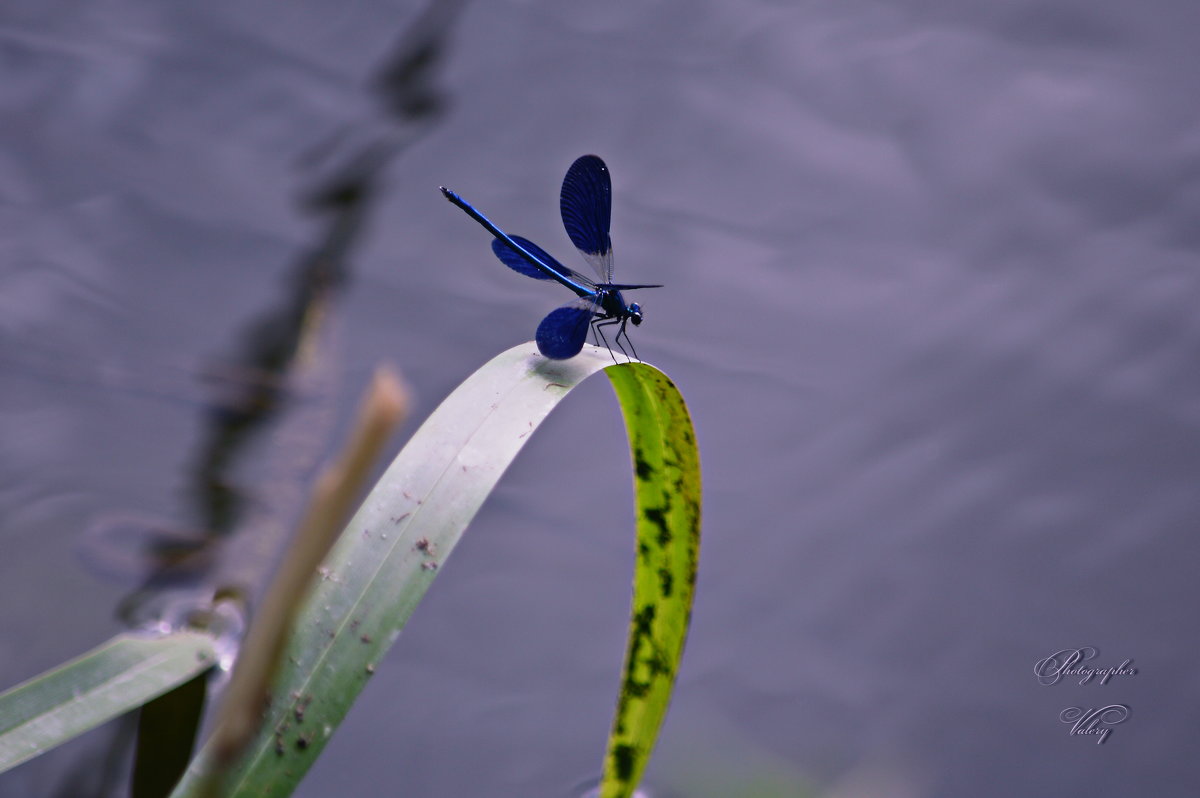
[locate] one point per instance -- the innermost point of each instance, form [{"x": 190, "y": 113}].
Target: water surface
[{"x": 931, "y": 282}]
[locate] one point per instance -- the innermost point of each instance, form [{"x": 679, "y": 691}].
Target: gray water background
[{"x": 931, "y": 276}]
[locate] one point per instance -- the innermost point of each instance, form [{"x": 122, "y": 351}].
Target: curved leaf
[{"x": 408, "y": 525}]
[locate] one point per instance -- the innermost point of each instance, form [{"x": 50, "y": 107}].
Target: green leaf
[
  {"x": 666, "y": 466},
  {"x": 394, "y": 546},
  {"x": 124, "y": 673}
]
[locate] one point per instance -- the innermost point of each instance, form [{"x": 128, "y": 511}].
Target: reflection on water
[
  {"x": 124, "y": 545},
  {"x": 281, "y": 378},
  {"x": 274, "y": 394}
]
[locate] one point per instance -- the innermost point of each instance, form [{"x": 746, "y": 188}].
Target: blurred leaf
[
  {"x": 167, "y": 728},
  {"x": 407, "y": 526},
  {"x": 124, "y": 673}
]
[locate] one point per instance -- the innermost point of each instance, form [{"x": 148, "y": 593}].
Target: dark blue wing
[
  {"x": 586, "y": 206},
  {"x": 513, "y": 260},
  {"x": 562, "y": 333}
]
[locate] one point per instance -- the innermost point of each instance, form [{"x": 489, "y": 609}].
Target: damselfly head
[{"x": 635, "y": 313}]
